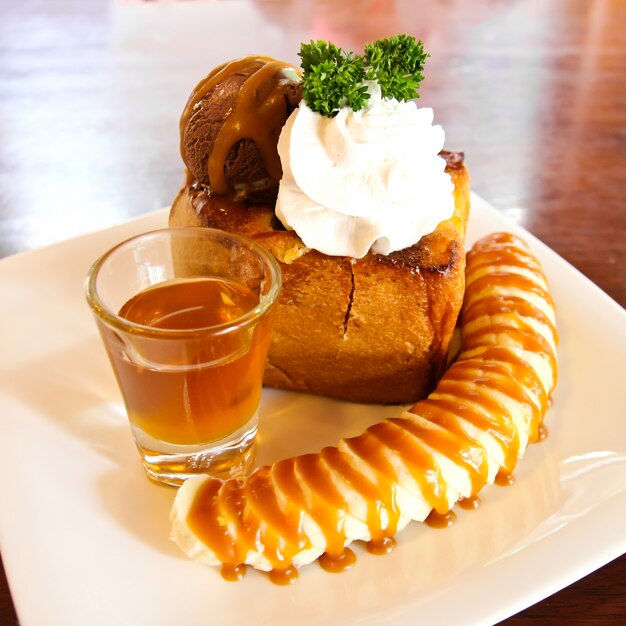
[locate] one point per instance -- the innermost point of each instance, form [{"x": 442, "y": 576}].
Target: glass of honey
[{"x": 185, "y": 315}]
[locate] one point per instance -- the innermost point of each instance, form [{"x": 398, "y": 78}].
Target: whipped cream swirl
[{"x": 362, "y": 181}]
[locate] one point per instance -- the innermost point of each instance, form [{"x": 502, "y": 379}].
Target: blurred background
[{"x": 531, "y": 90}]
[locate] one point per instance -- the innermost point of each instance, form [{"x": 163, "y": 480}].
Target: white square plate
[{"x": 84, "y": 535}]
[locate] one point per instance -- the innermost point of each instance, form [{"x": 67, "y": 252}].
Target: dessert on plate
[
  {"x": 346, "y": 183},
  {"x": 359, "y": 203},
  {"x": 476, "y": 424}
]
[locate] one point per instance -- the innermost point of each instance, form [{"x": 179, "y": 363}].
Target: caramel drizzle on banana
[
  {"x": 250, "y": 118},
  {"x": 268, "y": 513}
]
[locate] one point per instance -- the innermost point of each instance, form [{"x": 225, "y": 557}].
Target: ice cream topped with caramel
[{"x": 231, "y": 123}]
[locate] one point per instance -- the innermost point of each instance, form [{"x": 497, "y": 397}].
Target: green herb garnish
[
  {"x": 396, "y": 64},
  {"x": 333, "y": 77}
]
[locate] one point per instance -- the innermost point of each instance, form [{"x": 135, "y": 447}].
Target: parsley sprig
[
  {"x": 333, "y": 77},
  {"x": 396, "y": 64}
]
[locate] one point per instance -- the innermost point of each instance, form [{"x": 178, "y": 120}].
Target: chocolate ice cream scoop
[{"x": 230, "y": 126}]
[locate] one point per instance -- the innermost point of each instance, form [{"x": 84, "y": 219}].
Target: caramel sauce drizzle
[
  {"x": 418, "y": 460},
  {"x": 510, "y": 305},
  {"x": 493, "y": 280},
  {"x": 501, "y": 426},
  {"x": 382, "y": 512},
  {"x": 497, "y": 257},
  {"x": 269, "y": 512},
  {"x": 253, "y": 116},
  {"x": 327, "y": 506},
  {"x": 450, "y": 444},
  {"x": 451, "y": 411}
]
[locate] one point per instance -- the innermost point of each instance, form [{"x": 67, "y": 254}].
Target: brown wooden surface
[{"x": 534, "y": 92}]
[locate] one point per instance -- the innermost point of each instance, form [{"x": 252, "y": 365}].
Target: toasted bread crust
[{"x": 375, "y": 329}]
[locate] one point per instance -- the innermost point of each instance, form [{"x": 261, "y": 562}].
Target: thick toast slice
[{"x": 375, "y": 329}]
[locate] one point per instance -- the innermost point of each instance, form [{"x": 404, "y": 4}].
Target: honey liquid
[{"x": 202, "y": 386}]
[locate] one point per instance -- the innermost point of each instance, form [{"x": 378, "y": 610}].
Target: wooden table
[{"x": 533, "y": 91}]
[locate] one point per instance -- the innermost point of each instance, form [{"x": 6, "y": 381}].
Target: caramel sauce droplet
[
  {"x": 338, "y": 564},
  {"x": 385, "y": 545},
  {"x": 284, "y": 577},
  {"x": 504, "y": 479},
  {"x": 233, "y": 573},
  {"x": 542, "y": 432},
  {"x": 469, "y": 504},
  {"x": 441, "y": 520}
]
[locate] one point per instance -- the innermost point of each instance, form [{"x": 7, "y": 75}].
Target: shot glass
[{"x": 185, "y": 315}]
